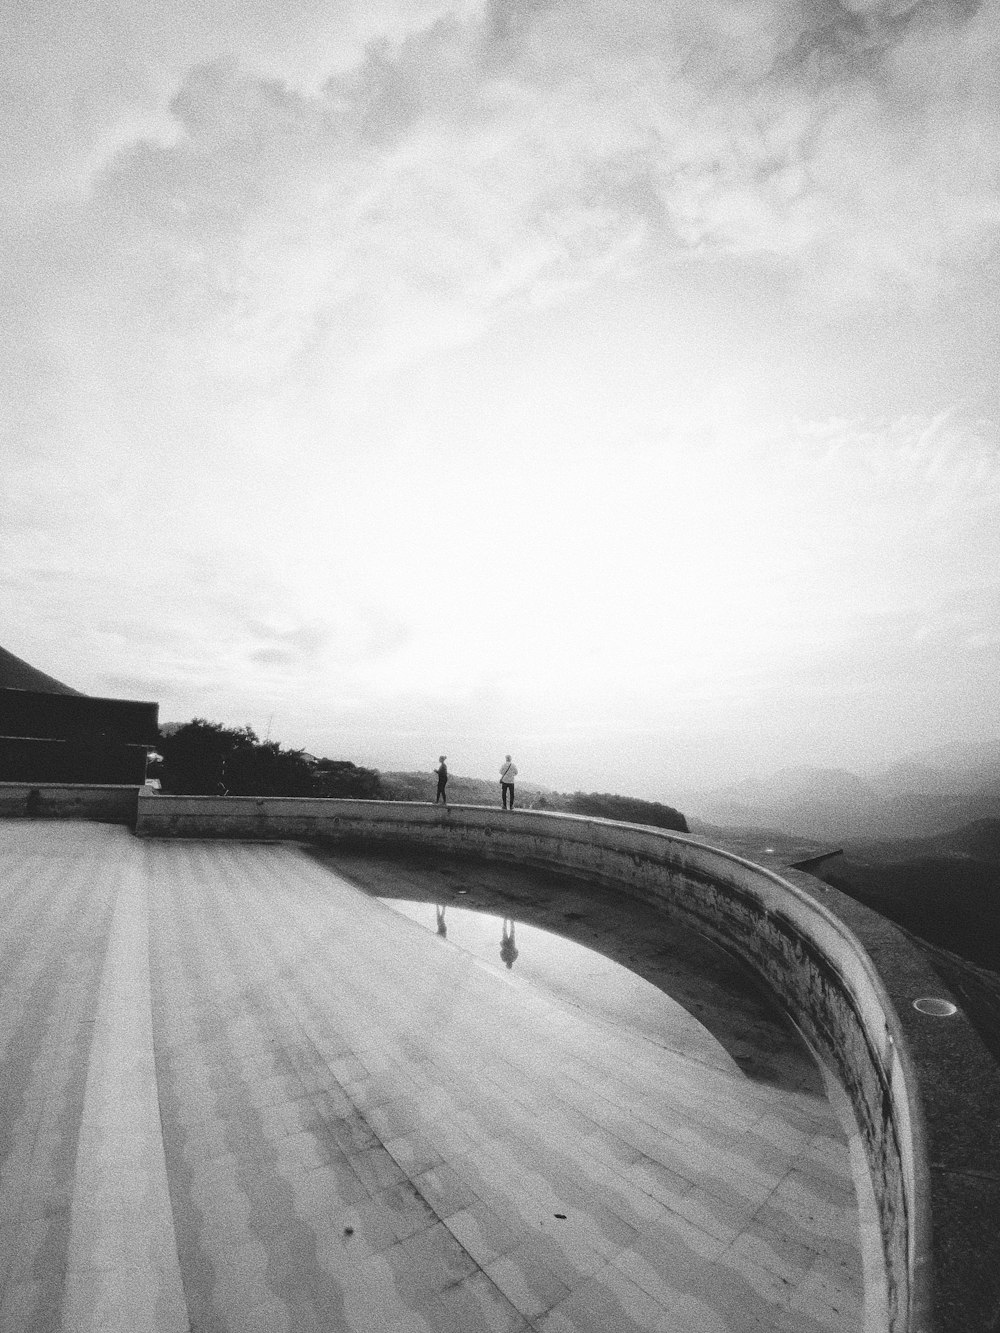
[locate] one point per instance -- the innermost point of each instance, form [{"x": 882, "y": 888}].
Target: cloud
[
  {"x": 475, "y": 169},
  {"x": 277, "y": 236},
  {"x": 280, "y": 647},
  {"x": 78, "y": 83}
]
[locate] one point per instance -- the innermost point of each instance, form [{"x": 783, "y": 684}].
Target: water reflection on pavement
[{"x": 531, "y": 957}]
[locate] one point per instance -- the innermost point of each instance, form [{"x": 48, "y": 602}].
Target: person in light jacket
[{"x": 508, "y": 772}]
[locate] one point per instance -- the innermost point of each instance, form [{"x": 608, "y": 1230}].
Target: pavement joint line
[{"x": 123, "y": 1270}]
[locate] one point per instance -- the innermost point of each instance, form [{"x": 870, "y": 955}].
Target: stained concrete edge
[
  {"x": 958, "y": 1082},
  {"x": 108, "y": 804}
]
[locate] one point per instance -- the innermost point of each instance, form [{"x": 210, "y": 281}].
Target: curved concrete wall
[{"x": 807, "y": 955}]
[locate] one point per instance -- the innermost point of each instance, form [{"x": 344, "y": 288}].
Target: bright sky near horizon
[{"x": 611, "y": 382}]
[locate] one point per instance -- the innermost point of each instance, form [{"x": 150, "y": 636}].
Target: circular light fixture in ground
[{"x": 928, "y": 1004}]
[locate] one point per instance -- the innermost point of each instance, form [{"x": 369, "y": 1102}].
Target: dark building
[{"x": 50, "y": 732}]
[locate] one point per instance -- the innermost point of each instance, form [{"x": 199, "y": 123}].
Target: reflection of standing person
[
  {"x": 442, "y": 928},
  {"x": 442, "y": 777},
  {"x": 508, "y": 951},
  {"x": 508, "y": 772}
]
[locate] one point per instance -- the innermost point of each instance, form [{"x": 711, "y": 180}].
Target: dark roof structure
[
  {"x": 16, "y": 674},
  {"x": 51, "y": 733}
]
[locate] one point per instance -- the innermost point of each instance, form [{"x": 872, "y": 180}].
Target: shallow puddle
[{"x": 544, "y": 961}]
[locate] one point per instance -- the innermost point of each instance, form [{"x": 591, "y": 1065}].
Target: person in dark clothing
[
  {"x": 508, "y": 772},
  {"x": 442, "y": 777}
]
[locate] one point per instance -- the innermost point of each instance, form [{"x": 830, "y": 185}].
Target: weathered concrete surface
[
  {"x": 363, "y": 1127},
  {"x": 63, "y": 800},
  {"x": 820, "y": 968}
]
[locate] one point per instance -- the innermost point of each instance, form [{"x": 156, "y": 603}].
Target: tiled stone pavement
[{"x": 364, "y": 1130}]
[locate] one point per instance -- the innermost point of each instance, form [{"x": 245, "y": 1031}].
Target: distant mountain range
[
  {"x": 978, "y": 841},
  {"x": 923, "y": 795},
  {"x": 478, "y": 791},
  {"x": 919, "y": 841},
  {"x": 409, "y": 786},
  {"x": 945, "y": 888}
]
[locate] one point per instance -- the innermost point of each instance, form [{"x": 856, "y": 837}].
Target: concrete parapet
[
  {"x": 110, "y": 804},
  {"x": 789, "y": 927}
]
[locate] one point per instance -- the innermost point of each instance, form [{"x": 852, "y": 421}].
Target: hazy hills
[
  {"x": 461, "y": 791},
  {"x": 478, "y": 791},
  {"x": 920, "y": 840},
  {"x": 922, "y": 795},
  {"x": 978, "y": 841},
  {"x": 945, "y": 889}
]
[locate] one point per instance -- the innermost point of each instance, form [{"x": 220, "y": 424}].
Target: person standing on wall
[
  {"x": 508, "y": 772},
  {"x": 442, "y": 777}
]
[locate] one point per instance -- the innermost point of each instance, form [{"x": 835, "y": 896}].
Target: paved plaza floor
[{"x": 256, "y": 1089}]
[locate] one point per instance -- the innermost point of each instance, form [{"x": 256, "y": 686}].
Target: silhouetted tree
[
  {"x": 629, "y": 809},
  {"x": 204, "y": 758},
  {"x": 339, "y": 777}
]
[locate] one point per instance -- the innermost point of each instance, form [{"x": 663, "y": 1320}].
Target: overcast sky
[{"x": 612, "y": 382}]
